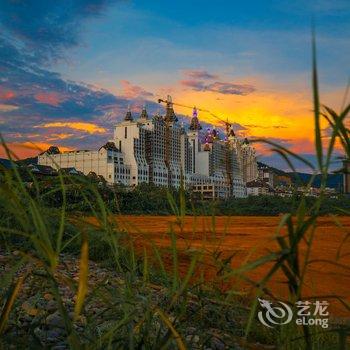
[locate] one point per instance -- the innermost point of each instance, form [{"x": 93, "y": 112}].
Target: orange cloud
[
  {"x": 82, "y": 126},
  {"x": 270, "y": 112},
  {"x": 59, "y": 136},
  {"x": 7, "y": 108},
  {"x": 50, "y": 98}
]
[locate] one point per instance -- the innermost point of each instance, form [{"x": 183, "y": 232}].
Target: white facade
[
  {"x": 258, "y": 188},
  {"x": 257, "y": 191},
  {"x": 130, "y": 139},
  {"x": 107, "y": 163}
]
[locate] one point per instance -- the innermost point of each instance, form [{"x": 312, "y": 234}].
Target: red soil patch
[{"x": 250, "y": 238}]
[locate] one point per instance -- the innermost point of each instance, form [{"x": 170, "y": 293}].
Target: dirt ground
[{"x": 249, "y": 238}]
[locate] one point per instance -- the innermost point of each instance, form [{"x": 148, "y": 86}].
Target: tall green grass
[{"x": 301, "y": 227}]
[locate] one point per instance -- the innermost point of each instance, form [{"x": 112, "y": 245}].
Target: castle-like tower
[{"x": 131, "y": 142}]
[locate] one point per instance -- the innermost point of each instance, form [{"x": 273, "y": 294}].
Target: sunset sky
[{"x": 69, "y": 69}]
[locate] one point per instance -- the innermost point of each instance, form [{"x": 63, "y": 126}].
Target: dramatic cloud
[
  {"x": 48, "y": 26},
  {"x": 87, "y": 127},
  {"x": 219, "y": 87},
  {"x": 35, "y": 34},
  {"x": 133, "y": 91},
  {"x": 31, "y": 95},
  {"x": 38, "y": 91},
  {"x": 199, "y": 75}
]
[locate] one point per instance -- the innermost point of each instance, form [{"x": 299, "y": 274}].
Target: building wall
[
  {"x": 175, "y": 155},
  {"x": 203, "y": 163},
  {"x": 107, "y": 163},
  {"x": 131, "y": 141},
  {"x": 157, "y": 158},
  {"x": 257, "y": 191},
  {"x": 267, "y": 175},
  {"x": 186, "y": 154},
  {"x": 193, "y": 138},
  {"x": 238, "y": 185},
  {"x": 249, "y": 163}
]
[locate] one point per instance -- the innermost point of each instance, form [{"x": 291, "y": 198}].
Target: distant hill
[
  {"x": 333, "y": 180},
  {"x": 27, "y": 161},
  {"x": 275, "y": 170}
]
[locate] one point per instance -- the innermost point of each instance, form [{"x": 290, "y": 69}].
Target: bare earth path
[{"x": 252, "y": 235}]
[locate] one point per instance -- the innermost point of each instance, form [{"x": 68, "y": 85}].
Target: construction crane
[
  {"x": 170, "y": 103},
  {"x": 229, "y": 133}
]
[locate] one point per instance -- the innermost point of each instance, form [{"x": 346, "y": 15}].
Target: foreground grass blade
[
  {"x": 9, "y": 303},
  {"x": 83, "y": 275},
  {"x": 318, "y": 140},
  {"x": 176, "y": 335}
]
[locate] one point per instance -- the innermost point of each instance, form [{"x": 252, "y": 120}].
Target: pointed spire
[
  {"x": 206, "y": 147},
  {"x": 194, "y": 112},
  {"x": 128, "y": 116},
  {"x": 214, "y": 132},
  {"x": 194, "y": 121},
  {"x": 231, "y": 132},
  {"x": 144, "y": 114},
  {"x": 209, "y": 136}
]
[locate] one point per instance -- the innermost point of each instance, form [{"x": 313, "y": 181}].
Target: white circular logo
[{"x": 274, "y": 315}]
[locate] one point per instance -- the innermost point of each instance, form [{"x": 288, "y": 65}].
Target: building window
[{"x": 126, "y": 132}]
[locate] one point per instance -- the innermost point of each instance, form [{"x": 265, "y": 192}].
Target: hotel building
[{"x": 160, "y": 151}]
